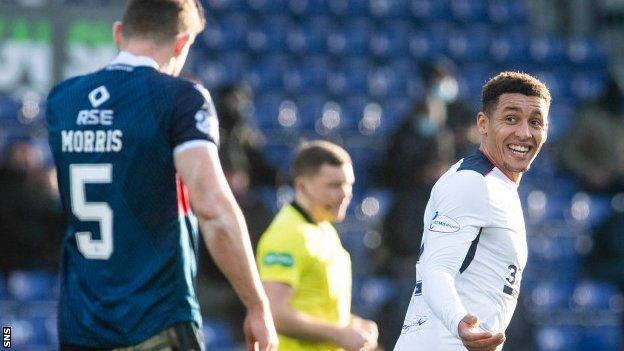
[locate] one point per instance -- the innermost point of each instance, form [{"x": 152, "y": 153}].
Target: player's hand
[
  {"x": 259, "y": 330},
  {"x": 475, "y": 340},
  {"x": 352, "y": 338},
  {"x": 369, "y": 329}
]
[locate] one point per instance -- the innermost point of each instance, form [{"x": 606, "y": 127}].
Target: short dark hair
[
  {"x": 509, "y": 83},
  {"x": 162, "y": 20},
  {"x": 311, "y": 155}
]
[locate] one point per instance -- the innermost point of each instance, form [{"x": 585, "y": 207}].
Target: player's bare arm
[{"x": 225, "y": 234}]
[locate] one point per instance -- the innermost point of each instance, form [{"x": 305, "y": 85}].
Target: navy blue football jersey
[{"x": 128, "y": 257}]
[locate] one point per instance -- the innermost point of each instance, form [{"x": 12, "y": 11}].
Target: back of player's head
[
  {"x": 310, "y": 156},
  {"x": 509, "y": 83},
  {"x": 162, "y": 20}
]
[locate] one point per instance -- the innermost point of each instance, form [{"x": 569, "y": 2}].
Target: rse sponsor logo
[
  {"x": 412, "y": 325},
  {"x": 6, "y": 337},
  {"x": 443, "y": 224}
]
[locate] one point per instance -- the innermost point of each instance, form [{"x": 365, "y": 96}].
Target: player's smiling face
[{"x": 514, "y": 132}]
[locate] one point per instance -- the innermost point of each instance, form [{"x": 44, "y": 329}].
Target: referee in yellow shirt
[{"x": 304, "y": 268}]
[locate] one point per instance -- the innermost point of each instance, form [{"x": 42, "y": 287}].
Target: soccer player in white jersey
[{"x": 474, "y": 247}]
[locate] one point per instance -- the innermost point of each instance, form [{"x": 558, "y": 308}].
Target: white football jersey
[{"x": 472, "y": 256}]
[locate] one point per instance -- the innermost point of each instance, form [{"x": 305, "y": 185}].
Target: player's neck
[
  {"x": 147, "y": 48},
  {"x": 306, "y": 205},
  {"x": 514, "y": 177}
]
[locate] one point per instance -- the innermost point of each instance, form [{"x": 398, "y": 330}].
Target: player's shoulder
[
  {"x": 466, "y": 178},
  {"x": 287, "y": 226},
  {"x": 66, "y": 86}
]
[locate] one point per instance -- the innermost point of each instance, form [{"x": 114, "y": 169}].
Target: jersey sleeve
[
  {"x": 194, "y": 118},
  {"x": 282, "y": 258},
  {"x": 460, "y": 210}
]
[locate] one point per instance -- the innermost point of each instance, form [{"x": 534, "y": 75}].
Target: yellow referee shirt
[{"x": 309, "y": 257}]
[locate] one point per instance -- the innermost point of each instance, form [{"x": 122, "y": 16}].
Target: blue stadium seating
[
  {"x": 269, "y": 35},
  {"x": 308, "y": 75},
  {"x": 305, "y": 8},
  {"x": 350, "y": 76},
  {"x": 32, "y": 285},
  {"x": 392, "y": 39},
  {"x": 586, "y": 52},
  {"x": 548, "y": 50},
  {"x": 350, "y": 38},
  {"x": 348, "y": 8},
  {"x": 469, "y": 44},
  {"x": 595, "y": 296},
  {"x": 222, "y": 6},
  {"x": 429, "y": 43},
  {"x": 309, "y": 37},
  {"x": 430, "y": 10},
  {"x": 469, "y": 11},
  {"x": 558, "y": 338},
  {"x": 264, "y": 7},
  {"x": 389, "y": 9},
  {"x": 550, "y": 296},
  {"x": 603, "y": 338},
  {"x": 509, "y": 47},
  {"x": 217, "y": 335},
  {"x": 506, "y": 12},
  {"x": 588, "y": 85}
]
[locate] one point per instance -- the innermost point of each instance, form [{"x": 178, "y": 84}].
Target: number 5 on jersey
[{"x": 80, "y": 176}]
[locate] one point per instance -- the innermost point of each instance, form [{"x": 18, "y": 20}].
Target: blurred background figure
[{"x": 31, "y": 222}]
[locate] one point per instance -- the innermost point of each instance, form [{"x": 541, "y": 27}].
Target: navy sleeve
[{"x": 194, "y": 116}]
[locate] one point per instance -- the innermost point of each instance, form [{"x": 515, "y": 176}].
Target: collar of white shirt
[{"x": 126, "y": 58}]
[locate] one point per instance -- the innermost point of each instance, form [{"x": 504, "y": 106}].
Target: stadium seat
[
  {"x": 268, "y": 74},
  {"x": 555, "y": 256},
  {"x": 389, "y": 9},
  {"x": 264, "y": 7},
  {"x": 386, "y": 81},
  {"x": 310, "y": 108},
  {"x": 509, "y": 47},
  {"x": 350, "y": 76},
  {"x": 429, "y": 10},
  {"x": 587, "y": 86},
  {"x": 469, "y": 11},
  {"x": 392, "y": 40},
  {"x": 309, "y": 37},
  {"x": 470, "y": 44},
  {"x": 374, "y": 204},
  {"x": 278, "y": 155},
  {"x": 217, "y": 335},
  {"x": 27, "y": 285},
  {"x": 308, "y": 76},
  {"x": 269, "y": 35},
  {"x": 352, "y": 38},
  {"x": 370, "y": 294},
  {"x": 550, "y": 296},
  {"x": 228, "y": 33},
  {"x": 267, "y": 109},
  {"x": 597, "y": 295},
  {"x": 603, "y": 338},
  {"x": 586, "y": 52},
  {"x": 305, "y": 8},
  {"x": 429, "y": 43},
  {"x": 9, "y": 108},
  {"x": 348, "y": 8},
  {"x": 558, "y": 338},
  {"x": 560, "y": 118},
  {"x": 548, "y": 50},
  {"x": 507, "y": 12}
]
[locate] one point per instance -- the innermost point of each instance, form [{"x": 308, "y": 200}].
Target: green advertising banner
[{"x": 41, "y": 46}]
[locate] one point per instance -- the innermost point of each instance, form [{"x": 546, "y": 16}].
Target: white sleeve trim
[{"x": 191, "y": 144}]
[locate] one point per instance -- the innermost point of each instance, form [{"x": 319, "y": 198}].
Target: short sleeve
[
  {"x": 194, "y": 117},
  {"x": 282, "y": 258}
]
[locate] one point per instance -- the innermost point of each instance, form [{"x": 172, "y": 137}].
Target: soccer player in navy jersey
[
  {"x": 136, "y": 152},
  {"x": 474, "y": 248}
]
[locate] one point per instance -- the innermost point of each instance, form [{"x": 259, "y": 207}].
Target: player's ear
[
  {"x": 181, "y": 41},
  {"x": 482, "y": 123},
  {"x": 117, "y": 34}
]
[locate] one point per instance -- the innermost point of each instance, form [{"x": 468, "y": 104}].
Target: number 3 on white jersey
[{"x": 81, "y": 175}]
